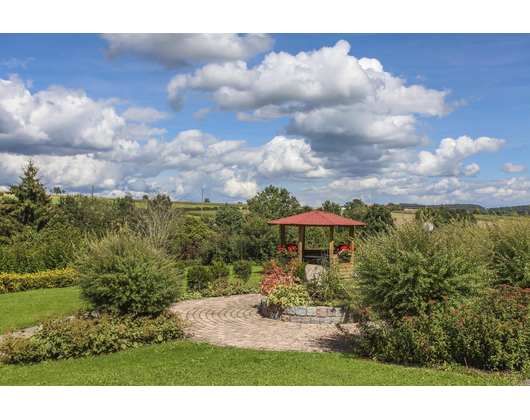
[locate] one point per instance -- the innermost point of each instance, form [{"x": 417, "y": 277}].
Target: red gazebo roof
[{"x": 316, "y": 218}]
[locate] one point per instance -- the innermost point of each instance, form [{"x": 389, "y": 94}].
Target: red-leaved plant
[{"x": 275, "y": 275}]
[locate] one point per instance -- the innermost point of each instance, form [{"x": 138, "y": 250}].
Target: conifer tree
[{"x": 31, "y": 204}]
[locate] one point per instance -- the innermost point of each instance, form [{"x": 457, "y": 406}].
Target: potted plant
[
  {"x": 344, "y": 252},
  {"x": 287, "y": 252}
]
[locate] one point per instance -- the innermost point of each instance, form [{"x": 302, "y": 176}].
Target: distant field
[
  {"x": 190, "y": 207},
  {"x": 402, "y": 217},
  {"x": 488, "y": 218}
]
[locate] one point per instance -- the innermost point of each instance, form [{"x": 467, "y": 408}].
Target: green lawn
[
  {"x": 185, "y": 363},
  {"x": 20, "y": 309}
]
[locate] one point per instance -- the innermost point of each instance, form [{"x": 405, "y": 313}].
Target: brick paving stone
[{"x": 235, "y": 321}]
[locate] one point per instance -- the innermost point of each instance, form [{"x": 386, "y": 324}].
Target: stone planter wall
[{"x": 305, "y": 314}]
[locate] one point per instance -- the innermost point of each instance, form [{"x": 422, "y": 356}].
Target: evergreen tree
[{"x": 31, "y": 205}]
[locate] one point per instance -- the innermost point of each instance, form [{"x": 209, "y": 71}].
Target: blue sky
[{"x": 325, "y": 125}]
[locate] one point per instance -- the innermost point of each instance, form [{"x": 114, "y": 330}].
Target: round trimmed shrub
[
  {"x": 220, "y": 269},
  {"x": 199, "y": 277},
  {"x": 123, "y": 272},
  {"x": 243, "y": 270}
]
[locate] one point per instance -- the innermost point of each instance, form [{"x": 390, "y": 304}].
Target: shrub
[
  {"x": 407, "y": 267},
  {"x": 220, "y": 247},
  {"x": 378, "y": 219},
  {"x": 275, "y": 275},
  {"x": 199, "y": 277},
  {"x": 189, "y": 237},
  {"x": 441, "y": 215},
  {"x": 124, "y": 272},
  {"x": 229, "y": 218},
  {"x": 327, "y": 287},
  {"x": 13, "y": 282},
  {"x": 220, "y": 269},
  {"x": 188, "y": 263},
  {"x": 30, "y": 251},
  {"x": 223, "y": 287},
  {"x": 90, "y": 336},
  {"x": 511, "y": 258},
  {"x": 293, "y": 295},
  {"x": 491, "y": 332},
  {"x": 243, "y": 270},
  {"x": 300, "y": 271}
]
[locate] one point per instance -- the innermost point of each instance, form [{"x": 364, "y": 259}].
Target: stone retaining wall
[{"x": 305, "y": 314}]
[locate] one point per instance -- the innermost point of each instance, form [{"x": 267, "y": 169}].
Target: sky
[{"x": 402, "y": 118}]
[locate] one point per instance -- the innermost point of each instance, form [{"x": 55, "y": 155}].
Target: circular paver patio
[{"x": 235, "y": 321}]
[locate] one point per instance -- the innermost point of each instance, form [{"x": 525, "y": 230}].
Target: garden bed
[{"x": 306, "y": 314}]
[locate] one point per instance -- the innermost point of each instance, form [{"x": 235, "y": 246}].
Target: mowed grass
[
  {"x": 19, "y": 309},
  {"x": 185, "y": 363}
]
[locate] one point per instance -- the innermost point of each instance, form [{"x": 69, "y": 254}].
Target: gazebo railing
[{"x": 314, "y": 255}]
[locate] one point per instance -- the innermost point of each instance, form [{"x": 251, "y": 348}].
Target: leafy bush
[
  {"x": 243, "y": 270},
  {"x": 189, "y": 263},
  {"x": 293, "y": 295},
  {"x": 14, "y": 282},
  {"x": 189, "y": 237},
  {"x": 441, "y": 215},
  {"x": 511, "y": 258},
  {"x": 491, "y": 332},
  {"x": 221, "y": 247},
  {"x": 199, "y": 277},
  {"x": 30, "y": 251},
  {"x": 407, "y": 267},
  {"x": 89, "y": 215},
  {"x": 275, "y": 275},
  {"x": 256, "y": 242},
  {"x": 300, "y": 271},
  {"x": 90, "y": 336},
  {"x": 378, "y": 219},
  {"x": 229, "y": 218},
  {"x": 326, "y": 287},
  {"x": 124, "y": 272},
  {"x": 223, "y": 287},
  {"x": 220, "y": 269}
]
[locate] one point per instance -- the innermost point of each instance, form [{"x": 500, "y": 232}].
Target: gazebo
[{"x": 321, "y": 219}]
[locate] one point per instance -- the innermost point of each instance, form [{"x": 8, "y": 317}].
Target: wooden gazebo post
[
  {"x": 352, "y": 237},
  {"x": 301, "y": 242},
  {"x": 331, "y": 243}
]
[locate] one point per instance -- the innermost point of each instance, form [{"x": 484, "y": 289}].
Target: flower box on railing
[
  {"x": 287, "y": 252},
  {"x": 344, "y": 253}
]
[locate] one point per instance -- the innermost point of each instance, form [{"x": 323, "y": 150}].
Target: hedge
[{"x": 49, "y": 279}]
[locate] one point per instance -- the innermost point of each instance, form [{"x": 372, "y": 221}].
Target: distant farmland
[{"x": 191, "y": 208}]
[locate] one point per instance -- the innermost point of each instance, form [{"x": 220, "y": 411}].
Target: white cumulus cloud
[
  {"x": 447, "y": 159},
  {"x": 332, "y": 97}
]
